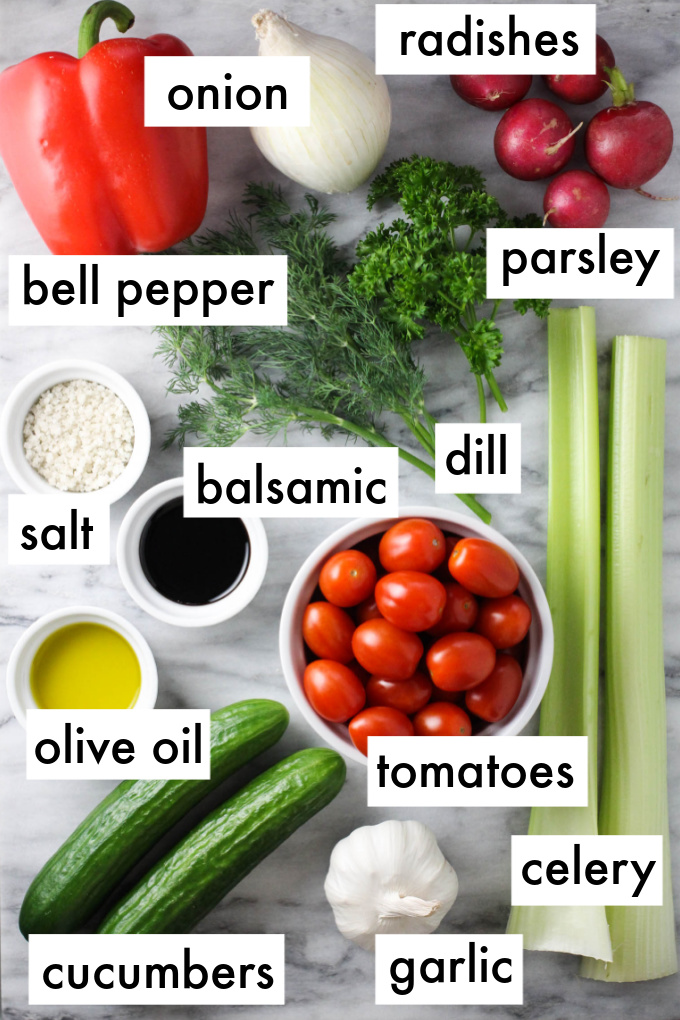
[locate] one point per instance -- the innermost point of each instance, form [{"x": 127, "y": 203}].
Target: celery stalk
[
  {"x": 569, "y": 707},
  {"x": 634, "y": 793}
]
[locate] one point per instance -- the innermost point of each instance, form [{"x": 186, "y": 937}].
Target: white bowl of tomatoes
[{"x": 430, "y": 624}]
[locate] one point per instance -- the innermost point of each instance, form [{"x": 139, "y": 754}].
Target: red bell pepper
[{"x": 93, "y": 179}]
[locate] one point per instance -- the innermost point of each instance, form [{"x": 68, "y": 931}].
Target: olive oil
[
  {"x": 85, "y": 665},
  {"x": 193, "y": 560}
]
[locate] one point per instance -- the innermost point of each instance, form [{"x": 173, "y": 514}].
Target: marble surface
[{"x": 327, "y": 977}]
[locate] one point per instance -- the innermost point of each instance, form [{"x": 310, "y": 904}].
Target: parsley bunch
[
  {"x": 425, "y": 269},
  {"x": 339, "y": 366}
]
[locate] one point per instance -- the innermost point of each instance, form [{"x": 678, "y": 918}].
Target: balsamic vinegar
[{"x": 193, "y": 560}]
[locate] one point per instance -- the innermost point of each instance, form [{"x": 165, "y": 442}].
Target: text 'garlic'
[
  {"x": 349, "y": 106},
  {"x": 389, "y": 879}
]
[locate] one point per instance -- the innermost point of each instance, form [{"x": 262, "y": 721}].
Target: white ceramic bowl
[
  {"x": 19, "y": 665},
  {"x": 292, "y": 649},
  {"x": 25, "y": 394},
  {"x": 146, "y": 596}
]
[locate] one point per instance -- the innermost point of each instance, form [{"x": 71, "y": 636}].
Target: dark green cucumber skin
[
  {"x": 213, "y": 858},
  {"x": 77, "y": 879}
]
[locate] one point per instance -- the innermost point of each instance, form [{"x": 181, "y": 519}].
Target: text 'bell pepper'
[{"x": 92, "y": 178}]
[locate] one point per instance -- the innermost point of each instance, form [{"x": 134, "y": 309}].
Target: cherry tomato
[
  {"x": 347, "y": 578},
  {"x": 410, "y": 599},
  {"x": 505, "y": 622},
  {"x": 378, "y": 722},
  {"x": 405, "y": 695},
  {"x": 328, "y": 630},
  {"x": 493, "y": 699},
  {"x": 455, "y": 697},
  {"x": 459, "y": 661},
  {"x": 442, "y": 572},
  {"x": 367, "y": 610},
  {"x": 334, "y": 691},
  {"x": 413, "y": 544},
  {"x": 442, "y": 719},
  {"x": 519, "y": 652},
  {"x": 371, "y": 546},
  {"x": 460, "y": 611},
  {"x": 359, "y": 670},
  {"x": 386, "y": 650},
  {"x": 483, "y": 568}
]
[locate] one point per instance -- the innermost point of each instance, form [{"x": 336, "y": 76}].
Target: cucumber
[
  {"x": 77, "y": 879},
  {"x": 194, "y": 876}
]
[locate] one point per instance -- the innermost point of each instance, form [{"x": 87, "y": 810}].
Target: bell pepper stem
[{"x": 95, "y": 16}]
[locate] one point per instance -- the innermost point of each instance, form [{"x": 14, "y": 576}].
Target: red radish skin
[
  {"x": 584, "y": 88},
  {"x": 534, "y": 139},
  {"x": 576, "y": 198},
  {"x": 491, "y": 91},
  {"x": 630, "y": 142}
]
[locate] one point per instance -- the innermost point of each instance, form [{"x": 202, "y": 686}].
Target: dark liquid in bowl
[{"x": 193, "y": 560}]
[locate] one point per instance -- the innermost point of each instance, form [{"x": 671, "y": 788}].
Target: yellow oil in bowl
[{"x": 85, "y": 665}]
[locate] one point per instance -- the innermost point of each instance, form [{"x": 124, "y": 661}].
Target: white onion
[{"x": 350, "y": 111}]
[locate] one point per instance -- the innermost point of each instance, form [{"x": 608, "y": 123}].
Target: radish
[
  {"x": 576, "y": 198},
  {"x": 630, "y": 142},
  {"x": 584, "y": 88},
  {"x": 491, "y": 91},
  {"x": 534, "y": 139}
]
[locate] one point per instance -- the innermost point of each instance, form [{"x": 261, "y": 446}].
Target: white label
[
  {"x": 525, "y": 38},
  {"x": 477, "y": 772},
  {"x": 108, "y": 290},
  {"x": 161, "y": 743},
  {"x": 616, "y": 262},
  {"x": 226, "y": 91},
  {"x": 478, "y": 458},
  {"x": 291, "y": 482},
  {"x": 57, "y": 529},
  {"x": 582, "y": 871},
  {"x": 447, "y": 970},
  {"x": 156, "y": 970}
]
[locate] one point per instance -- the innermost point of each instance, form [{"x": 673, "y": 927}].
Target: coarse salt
[{"x": 78, "y": 436}]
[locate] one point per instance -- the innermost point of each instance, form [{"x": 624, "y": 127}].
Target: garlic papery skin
[
  {"x": 389, "y": 879},
  {"x": 349, "y": 106}
]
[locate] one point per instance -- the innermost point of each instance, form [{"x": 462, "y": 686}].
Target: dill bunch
[{"x": 338, "y": 367}]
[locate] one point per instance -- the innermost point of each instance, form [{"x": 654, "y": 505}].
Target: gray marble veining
[{"x": 327, "y": 978}]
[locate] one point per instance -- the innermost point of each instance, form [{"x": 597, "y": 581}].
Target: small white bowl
[
  {"x": 23, "y": 397},
  {"x": 292, "y": 649},
  {"x": 150, "y": 600},
  {"x": 19, "y": 665}
]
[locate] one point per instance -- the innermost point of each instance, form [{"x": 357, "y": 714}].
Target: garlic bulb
[
  {"x": 349, "y": 105},
  {"x": 389, "y": 879}
]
